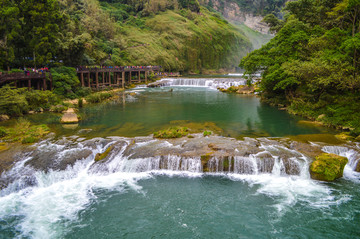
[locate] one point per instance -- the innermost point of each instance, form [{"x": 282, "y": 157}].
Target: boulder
[
  {"x": 327, "y": 167},
  {"x": 4, "y": 117},
  {"x": 69, "y": 118}
]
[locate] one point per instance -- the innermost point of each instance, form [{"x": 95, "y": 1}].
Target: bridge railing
[{"x": 119, "y": 68}]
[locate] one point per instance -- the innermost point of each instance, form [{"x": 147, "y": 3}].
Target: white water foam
[
  {"x": 204, "y": 82},
  {"x": 45, "y": 209}
]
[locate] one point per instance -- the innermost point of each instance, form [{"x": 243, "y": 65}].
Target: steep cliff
[{"x": 246, "y": 12}]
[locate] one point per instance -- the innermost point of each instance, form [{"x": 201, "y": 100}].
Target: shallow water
[{"x": 198, "y": 108}]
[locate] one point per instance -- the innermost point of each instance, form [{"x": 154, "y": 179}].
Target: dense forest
[
  {"x": 180, "y": 35},
  {"x": 312, "y": 64}
]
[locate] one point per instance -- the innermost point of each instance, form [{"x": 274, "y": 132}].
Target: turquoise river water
[{"x": 136, "y": 193}]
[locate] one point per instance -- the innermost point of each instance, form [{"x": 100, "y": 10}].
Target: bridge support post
[
  {"x": 29, "y": 84},
  {"x": 103, "y": 79},
  {"x": 44, "y": 84},
  {"x": 123, "y": 79},
  {"x": 88, "y": 77},
  {"x": 97, "y": 80},
  {"x": 139, "y": 76},
  {"x": 146, "y": 77},
  {"x": 82, "y": 79},
  {"x": 110, "y": 78}
]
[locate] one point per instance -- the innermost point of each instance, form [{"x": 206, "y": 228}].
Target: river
[{"x": 249, "y": 179}]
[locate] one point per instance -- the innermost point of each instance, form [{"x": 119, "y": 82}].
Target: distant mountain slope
[{"x": 177, "y": 34}]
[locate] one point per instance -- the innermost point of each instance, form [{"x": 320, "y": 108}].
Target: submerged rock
[{"x": 328, "y": 167}]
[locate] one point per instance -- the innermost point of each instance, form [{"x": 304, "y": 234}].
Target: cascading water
[
  {"x": 204, "y": 82},
  {"x": 48, "y": 187},
  {"x": 351, "y": 154}
]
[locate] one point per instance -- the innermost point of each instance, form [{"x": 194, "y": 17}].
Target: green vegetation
[
  {"x": 16, "y": 102},
  {"x": 98, "y": 97},
  {"x": 177, "y": 34},
  {"x": 328, "y": 167},
  {"x": 101, "y": 156},
  {"x": 23, "y": 132},
  {"x": 312, "y": 64},
  {"x": 172, "y": 132},
  {"x": 207, "y": 133},
  {"x": 67, "y": 84}
]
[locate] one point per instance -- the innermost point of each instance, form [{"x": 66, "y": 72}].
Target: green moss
[
  {"x": 204, "y": 161},
  {"x": 327, "y": 167},
  {"x": 207, "y": 133},
  {"x": 29, "y": 140},
  {"x": 172, "y": 132},
  {"x": 101, "y": 156}
]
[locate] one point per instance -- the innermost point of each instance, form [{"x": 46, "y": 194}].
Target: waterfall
[
  {"x": 200, "y": 82},
  {"x": 72, "y": 155}
]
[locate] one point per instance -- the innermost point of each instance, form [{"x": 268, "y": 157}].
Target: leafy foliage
[
  {"x": 312, "y": 64},
  {"x": 171, "y": 33},
  {"x": 98, "y": 97}
]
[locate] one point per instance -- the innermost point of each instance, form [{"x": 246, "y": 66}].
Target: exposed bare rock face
[{"x": 233, "y": 12}]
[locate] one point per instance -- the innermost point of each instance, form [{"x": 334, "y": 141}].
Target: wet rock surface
[{"x": 213, "y": 154}]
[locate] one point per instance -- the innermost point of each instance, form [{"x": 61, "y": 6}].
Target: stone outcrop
[
  {"x": 328, "y": 167},
  {"x": 69, "y": 117},
  {"x": 4, "y": 117},
  {"x": 232, "y": 12}
]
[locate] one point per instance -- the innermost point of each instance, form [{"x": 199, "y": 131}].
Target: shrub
[
  {"x": 41, "y": 99},
  {"x": 65, "y": 81},
  {"x": 13, "y": 101},
  {"x": 80, "y": 102},
  {"x": 98, "y": 97}
]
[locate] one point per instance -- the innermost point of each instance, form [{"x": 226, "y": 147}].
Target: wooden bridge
[
  {"x": 114, "y": 76},
  {"x": 93, "y": 77},
  {"x": 39, "y": 81}
]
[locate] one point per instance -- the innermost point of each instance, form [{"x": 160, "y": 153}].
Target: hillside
[{"x": 179, "y": 35}]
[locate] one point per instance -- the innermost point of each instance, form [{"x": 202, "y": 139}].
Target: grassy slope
[{"x": 182, "y": 41}]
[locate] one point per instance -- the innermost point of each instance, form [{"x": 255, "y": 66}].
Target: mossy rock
[
  {"x": 172, "y": 132},
  {"x": 328, "y": 167},
  {"x": 344, "y": 136},
  {"x": 101, "y": 156}
]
